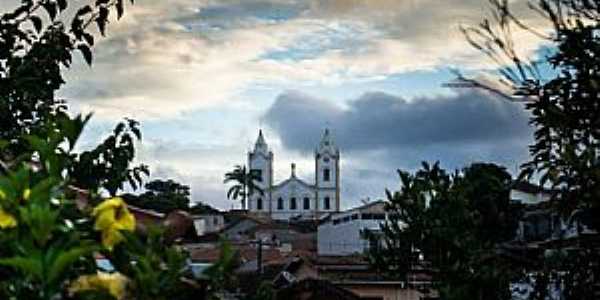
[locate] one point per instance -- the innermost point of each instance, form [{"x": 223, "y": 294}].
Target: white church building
[{"x": 294, "y": 197}]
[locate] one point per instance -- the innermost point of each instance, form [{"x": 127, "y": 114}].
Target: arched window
[
  {"x": 293, "y": 203},
  {"x": 259, "y": 204},
  {"x": 258, "y": 173},
  {"x": 326, "y": 203},
  {"x": 280, "y": 203},
  {"x": 326, "y": 175},
  {"x": 306, "y": 203}
]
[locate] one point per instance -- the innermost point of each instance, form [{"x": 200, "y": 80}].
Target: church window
[
  {"x": 293, "y": 203},
  {"x": 259, "y": 204},
  {"x": 280, "y": 204},
  {"x": 258, "y": 174},
  {"x": 326, "y": 175},
  {"x": 306, "y": 203},
  {"x": 326, "y": 203},
  {"x": 326, "y": 159}
]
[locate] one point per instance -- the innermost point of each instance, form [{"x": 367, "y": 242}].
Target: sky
[{"x": 203, "y": 76}]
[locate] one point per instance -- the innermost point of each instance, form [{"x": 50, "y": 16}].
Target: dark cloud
[{"x": 456, "y": 129}]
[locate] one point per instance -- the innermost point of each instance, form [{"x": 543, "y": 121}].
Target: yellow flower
[
  {"x": 26, "y": 194},
  {"x": 112, "y": 216},
  {"x": 7, "y": 220},
  {"x": 115, "y": 284}
]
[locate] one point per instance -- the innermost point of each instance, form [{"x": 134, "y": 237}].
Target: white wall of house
[
  {"x": 528, "y": 198},
  {"x": 341, "y": 233},
  {"x": 208, "y": 223}
]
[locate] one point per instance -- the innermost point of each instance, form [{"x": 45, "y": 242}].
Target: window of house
[
  {"x": 293, "y": 203},
  {"x": 259, "y": 204},
  {"x": 280, "y": 204},
  {"x": 306, "y": 203},
  {"x": 326, "y": 203},
  {"x": 378, "y": 216},
  {"x": 326, "y": 175}
]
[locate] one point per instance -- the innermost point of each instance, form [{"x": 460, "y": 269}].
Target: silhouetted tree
[
  {"x": 564, "y": 102},
  {"x": 33, "y": 53},
  {"x": 244, "y": 184},
  {"x": 162, "y": 196},
  {"x": 450, "y": 224}
]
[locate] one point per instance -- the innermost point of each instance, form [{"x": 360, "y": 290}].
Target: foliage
[
  {"x": 565, "y": 110},
  {"x": 49, "y": 241},
  {"x": 49, "y": 229},
  {"x": 220, "y": 273},
  {"x": 564, "y": 103},
  {"x": 32, "y": 57},
  {"x": 108, "y": 165},
  {"x": 200, "y": 208},
  {"x": 265, "y": 291},
  {"x": 162, "y": 196},
  {"x": 443, "y": 222},
  {"x": 244, "y": 184},
  {"x": 155, "y": 268}
]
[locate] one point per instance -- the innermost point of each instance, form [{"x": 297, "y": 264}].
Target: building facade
[
  {"x": 294, "y": 197},
  {"x": 341, "y": 233}
]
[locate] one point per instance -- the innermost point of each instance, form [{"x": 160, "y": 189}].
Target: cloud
[
  {"x": 378, "y": 120},
  {"x": 378, "y": 133},
  {"x": 164, "y": 58}
]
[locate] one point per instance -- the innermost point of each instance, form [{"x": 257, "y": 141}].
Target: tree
[
  {"x": 162, "y": 196},
  {"x": 32, "y": 55},
  {"x": 50, "y": 243},
  {"x": 564, "y": 103},
  {"x": 565, "y": 107},
  {"x": 245, "y": 184},
  {"x": 451, "y": 222}
]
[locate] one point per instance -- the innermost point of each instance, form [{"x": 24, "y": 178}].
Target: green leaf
[
  {"x": 87, "y": 53},
  {"x": 120, "y": 8},
  {"x": 62, "y": 4},
  {"x": 102, "y": 19},
  {"x": 66, "y": 260},
  {"x": 37, "y": 23},
  {"x": 50, "y": 8},
  {"x": 88, "y": 38},
  {"x": 28, "y": 265},
  {"x": 84, "y": 11}
]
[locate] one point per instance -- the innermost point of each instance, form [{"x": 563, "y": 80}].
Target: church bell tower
[
  {"x": 260, "y": 160},
  {"x": 327, "y": 171}
]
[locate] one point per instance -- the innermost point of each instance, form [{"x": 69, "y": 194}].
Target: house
[
  {"x": 527, "y": 194},
  {"x": 287, "y": 235},
  {"x": 296, "y": 198},
  {"x": 342, "y": 233},
  {"x": 352, "y": 274},
  {"x": 208, "y": 223},
  {"x": 314, "y": 289}
]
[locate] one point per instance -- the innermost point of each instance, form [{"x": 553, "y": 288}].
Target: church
[{"x": 295, "y": 198}]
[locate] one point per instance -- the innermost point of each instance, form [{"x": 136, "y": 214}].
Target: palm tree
[{"x": 245, "y": 184}]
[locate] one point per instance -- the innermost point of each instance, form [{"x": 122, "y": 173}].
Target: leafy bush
[{"x": 54, "y": 222}]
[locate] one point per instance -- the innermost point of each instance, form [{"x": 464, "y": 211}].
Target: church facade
[{"x": 294, "y": 197}]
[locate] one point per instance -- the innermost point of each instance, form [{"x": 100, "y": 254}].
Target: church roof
[
  {"x": 292, "y": 179},
  {"x": 327, "y": 144},
  {"x": 261, "y": 147}
]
